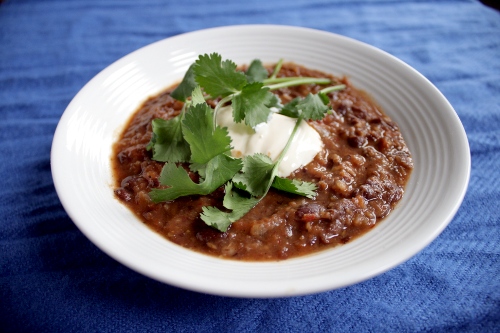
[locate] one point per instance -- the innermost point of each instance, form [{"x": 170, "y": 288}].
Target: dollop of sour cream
[{"x": 270, "y": 138}]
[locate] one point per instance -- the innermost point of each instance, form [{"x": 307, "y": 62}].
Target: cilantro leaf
[
  {"x": 295, "y": 186},
  {"x": 197, "y": 96},
  {"x": 217, "y": 77},
  {"x": 185, "y": 88},
  {"x": 312, "y": 107},
  {"x": 257, "y": 173},
  {"x": 167, "y": 142},
  {"x": 274, "y": 101},
  {"x": 214, "y": 217},
  {"x": 290, "y": 108},
  {"x": 205, "y": 141},
  {"x": 200, "y": 168},
  {"x": 256, "y": 72},
  {"x": 219, "y": 170},
  {"x": 234, "y": 201},
  {"x": 250, "y": 104}
]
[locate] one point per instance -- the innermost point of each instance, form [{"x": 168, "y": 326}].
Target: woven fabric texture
[{"x": 53, "y": 279}]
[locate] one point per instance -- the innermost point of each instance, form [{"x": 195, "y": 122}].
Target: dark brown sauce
[{"x": 361, "y": 174}]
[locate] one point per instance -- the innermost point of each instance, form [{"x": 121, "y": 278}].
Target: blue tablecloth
[{"x": 53, "y": 279}]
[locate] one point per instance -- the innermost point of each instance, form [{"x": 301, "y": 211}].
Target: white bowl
[{"x": 93, "y": 120}]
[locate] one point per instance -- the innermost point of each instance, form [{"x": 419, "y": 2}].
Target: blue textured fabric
[{"x": 53, "y": 279}]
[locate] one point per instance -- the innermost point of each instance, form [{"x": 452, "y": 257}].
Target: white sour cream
[{"x": 270, "y": 138}]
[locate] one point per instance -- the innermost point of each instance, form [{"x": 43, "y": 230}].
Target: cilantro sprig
[
  {"x": 194, "y": 137},
  {"x": 259, "y": 175}
]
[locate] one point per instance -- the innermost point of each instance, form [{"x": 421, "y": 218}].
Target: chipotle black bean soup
[{"x": 360, "y": 176}]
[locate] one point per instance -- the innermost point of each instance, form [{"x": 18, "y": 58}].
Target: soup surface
[{"x": 360, "y": 176}]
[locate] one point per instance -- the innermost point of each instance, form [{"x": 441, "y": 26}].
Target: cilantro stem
[
  {"x": 289, "y": 142},
  {"x": 221, "y": 104},
  {"x": 298, "y": 81},
  {"x": 277, "y": 69},
  {"x": 282, "y": 155},
  {"x": 333, "y": 88},
  {"x": 288, "y": 78},
  {"x": 274, "y": 172}
]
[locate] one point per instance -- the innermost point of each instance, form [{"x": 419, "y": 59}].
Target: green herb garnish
[{"x": 194, "y": 137}]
